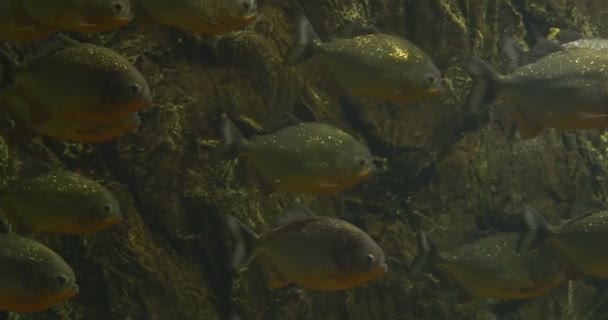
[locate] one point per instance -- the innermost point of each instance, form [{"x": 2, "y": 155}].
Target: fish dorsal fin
[
  {"x": 583, "y": 208},
  {"x": 288, "y": 120},
  {"x": 353, "y": 29},
  {"x": 47, "y": 47},
  {"x": 295, "y": 214}
]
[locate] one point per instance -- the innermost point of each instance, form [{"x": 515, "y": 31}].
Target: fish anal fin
[
  {"x": 275, "y": 280},
  {"x": 527, "y": 130},
  {"x": 295, "y": 214}
]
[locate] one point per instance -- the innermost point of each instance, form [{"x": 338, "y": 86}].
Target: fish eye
[
  {"x": 430, "y": 79},
  {"x": 370, "y": 259},
  {"x": 134, "y": 88},
  {"x": 61, "y": 279},
  {"x": 118, "y": 7},
  {"x": 108, "y": 208},
  {"x": 362, "y": 162}
]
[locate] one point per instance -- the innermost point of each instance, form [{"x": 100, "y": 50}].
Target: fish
[
  {"x": 75, "y": 81},
  {"x": 82, "y": 132},
  {"x": 64, "y": 202},
  {"x": 16, "y": 26},
  {"x": 34, "y": 277},
  {"x": 564, "y": 35},
  {"x": 595, "y": 43},
  {"x": 491, "y": 268},
  {"x": 578, "y": 242},
  {"x": 376, "y": 65},
  {"x": 313, "y": 252},
  {"x": 209, "y": 17},
  {"x": 308, "y": 157},
  {"x": 518, "y": 57},
  {"x": 564, "y": 90},
  {"x": 79, "y": 15},
  {"x": 543, "y": 47}
]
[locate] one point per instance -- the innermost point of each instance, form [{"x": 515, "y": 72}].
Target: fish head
[
  {"x": 53, "y": 281},
  {"x": 241, "y": 10},
  {"x": 109, "y": 13},
  {"x": 353, "y": 162},
  {"x": 362, "y": 260},
  {"x": 423, "y": 80},
  {"x": 99, "y": 210},
  {"x": 126, "y": 92}
]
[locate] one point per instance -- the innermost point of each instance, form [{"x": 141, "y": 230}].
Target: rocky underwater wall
[{"x": 442, "y": 170}]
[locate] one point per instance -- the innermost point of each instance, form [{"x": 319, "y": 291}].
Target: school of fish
[{"x": 86, "y": 93}]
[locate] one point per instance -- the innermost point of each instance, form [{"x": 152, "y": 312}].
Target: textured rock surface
[{"x": 441, "y": 172}]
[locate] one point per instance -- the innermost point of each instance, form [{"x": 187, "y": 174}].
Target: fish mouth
[
  {"x": 366, "y": 173},
  {"x": 112, "y": 220},
  {"x": 383, "y": 268}
]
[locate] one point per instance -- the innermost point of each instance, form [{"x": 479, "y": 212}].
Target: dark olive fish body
[
  {"x": 65, "y": 202},
  {"x": 79, "y": 15},
  {"x": 306, "y": 157},
  {"x": 317, "y": 253},
  {"x": 32, "y": 277},
  {"x": 491, "y": 268},
  {"x": 82, "y": 82},
  {"x": 82, "y": 132},
  {"x": 565, "y": 90},
  {"x": 15, "y": 25},
  {"x": 580, "y": 243},
  {"x": 208, "y": 17},
  {"x": 371, "y": 65}
]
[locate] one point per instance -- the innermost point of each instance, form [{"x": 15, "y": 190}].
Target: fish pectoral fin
[
  {"x": 207, "y": 20},
  {"x": 275, "y": 281},
  {"x": 527, "y": 130}
]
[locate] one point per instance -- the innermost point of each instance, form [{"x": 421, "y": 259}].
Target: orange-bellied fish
[
  {"x": 15, "y": 25},
  {"x": 491, "y": 268},
  {"x": 78, "y": 15},
  {"x": 373, "y": 65},
  {"x": 564, "y": 90},
  {"x": 34, "y": 277},
  {"x": 76, "y": 82},
  {"x": 318, "y": 253},
  {"x": 580, "y": 242},
  {"x": 60, "y": 201},
  {"x": 82, "y": 132},
  {"x": 207, "y": 17},
  {"x": 307, "y": 157}
]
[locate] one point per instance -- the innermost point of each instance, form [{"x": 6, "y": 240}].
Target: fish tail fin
[
  {"x": 513, "y": 51},
  {"x": 537, "y": 230},
  {"x": 427, "y": 253},
  {"x": 244, "y": 243},
  {"x": 302, "y": 49},
  {"x": 233, "y": 140},
  {"x": 485, "y": 81},
  {"x": 7, "y": 67}
]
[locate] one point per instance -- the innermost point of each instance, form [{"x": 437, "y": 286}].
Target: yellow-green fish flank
[
  {"x": 33, "y": 278},
  {"x": 305, "y": 157},
  {"x": 65, "y": 202}
]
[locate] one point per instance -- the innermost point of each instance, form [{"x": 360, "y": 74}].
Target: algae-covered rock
[{"x": 442, "y": 168}]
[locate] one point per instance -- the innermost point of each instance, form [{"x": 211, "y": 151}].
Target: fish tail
[
  {"x": 7, "y": 67},
  {"x": 427, "y": 253},
  {"x": 513, "y": 51},
  {"x": 233, "y": 140},
  {"x": 244, "y": 243},
  {"x": 537, "y": 230},
  {"x": 302, "y": 49},
  {"x": 485, "y": 81}
]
